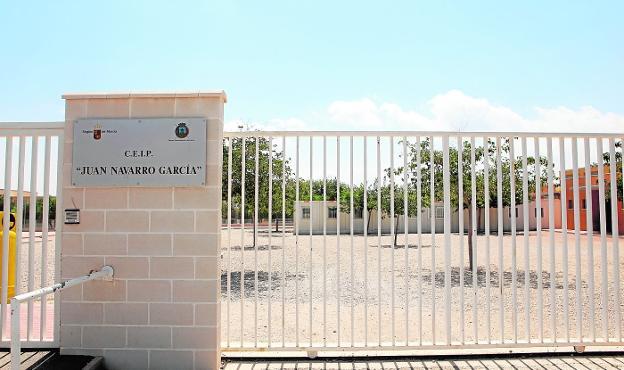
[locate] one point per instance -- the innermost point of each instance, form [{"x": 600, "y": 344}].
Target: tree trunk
[
  {"x": 368, "y": 222},
  {"x": 254, "y": 231},
  {"x": 276, "y": 225},
  {"x": 396, "y": 228}
]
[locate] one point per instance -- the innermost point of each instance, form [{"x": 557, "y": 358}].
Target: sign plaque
[{"x": 139, "y": 152}]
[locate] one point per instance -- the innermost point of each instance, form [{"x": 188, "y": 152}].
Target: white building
[{"x": 321, "y": 217}]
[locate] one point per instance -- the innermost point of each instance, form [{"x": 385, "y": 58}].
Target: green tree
[
  {"x": 266, "y": 153},
  {"x": 426, "y": 166}
]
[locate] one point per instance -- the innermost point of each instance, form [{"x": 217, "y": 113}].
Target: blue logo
[{"x": 182, "y": 130}]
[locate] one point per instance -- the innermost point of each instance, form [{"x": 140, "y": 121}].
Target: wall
[
  {"x": 319, "y": 212},
  {"x": 162, "y": 310}
]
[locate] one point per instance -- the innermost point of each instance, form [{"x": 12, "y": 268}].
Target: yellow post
[{"x": 12, "y": 254}]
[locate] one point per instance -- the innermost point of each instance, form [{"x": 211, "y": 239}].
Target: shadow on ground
[
  {"x": 495, "y": 279},
  {"x": 250, "y": 282}
]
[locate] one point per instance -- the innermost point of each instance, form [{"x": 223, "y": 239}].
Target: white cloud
[
  {"x": 456, "y": 111},
  {"x": 459, "y": 111},
  {"x": 367, "y": 114},
  {"x": 585, "y": 119},
  {"x": 450, "y": 111}
]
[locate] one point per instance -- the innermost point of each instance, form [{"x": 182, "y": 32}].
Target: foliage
[
  {"x": 264, "y": 151},
  {"x": 39, "y": 208}
]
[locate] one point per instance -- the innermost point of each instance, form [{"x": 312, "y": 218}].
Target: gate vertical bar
[
  {"x": 255, "y": 236},
  {"x": 432, "y": 216},
  {"x": 500, "y": 231},
  {"x": 229, "y": 237},
  {"x": 32, "y": 226},
  {"x": 284, "y": 239},
  {"x": 577, "y": 239},
  {"x": 564, "y": 230},
  {"x": 44, "y": 235},
  {"x": 590, "y": 237},
  {"x": 513, "y": 213},
  {"x": 486, "y": 205},
  {"x": 614, "y": 237},
  {"x": 603, "y": 241},
  {"x": 538, "y": 218},
  {"x": 324, "y": 215},
  {"x": 8, "y": 166},
  {"x": 338, "y": 282},
  {"x": 551, "y": 240},
  {"x": 365, "y": 215},
  {"x": 618, "y": 268},
  {"x": 242, "y": 277},
  {"x": 351, "y": 210},
  {"x": 392, "y": 236},
  {"x": 298, "y": 211},
  {"x": 270, "y": 246},
  {"x": 406, "y": 232},
  {"x": 419, "y": 231},
  {"x": 475, "y": 268},
  {"x": 20, "y": 214},
  {"x": 460, "y": 212},
  {"x": 447, "y": 235},
  {"x": 525, "y": 222},
  {"x": 379, "y": 239},
  {"x": 311, "y": 245}
]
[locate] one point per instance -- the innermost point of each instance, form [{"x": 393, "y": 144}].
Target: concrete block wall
[{"x": 162, "y": 309}]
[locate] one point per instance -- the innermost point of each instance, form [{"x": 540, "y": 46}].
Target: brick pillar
[{"x": 162, "y": 309}]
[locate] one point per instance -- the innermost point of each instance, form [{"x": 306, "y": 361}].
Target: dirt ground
[{"x": 327, "y": 291}]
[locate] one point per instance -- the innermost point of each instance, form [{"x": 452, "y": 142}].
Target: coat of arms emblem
[{"x": 97, "y": 132}]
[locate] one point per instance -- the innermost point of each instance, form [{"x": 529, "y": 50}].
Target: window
[
  {"x": 584, "y": 204},
  {"x": 541, "y": 212},
  {"x": 439, "y": 212},
  {"x": 570, "y": 204},
  {"x": 358, "y": 213},
  {"x": 305, "y": 212},
  {"x": 515, "y": 212},
  {"x": 332, "y": 212}
]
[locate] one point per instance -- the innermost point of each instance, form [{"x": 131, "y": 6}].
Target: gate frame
[
  {"x": 251, "y": 349},
  {"x": 48, "y": 129}
]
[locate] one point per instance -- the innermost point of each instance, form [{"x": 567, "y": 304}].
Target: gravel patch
[{"x": 330, "y": 290}]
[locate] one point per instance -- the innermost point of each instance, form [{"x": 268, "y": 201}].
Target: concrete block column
[{"x": 162, "y": 309}]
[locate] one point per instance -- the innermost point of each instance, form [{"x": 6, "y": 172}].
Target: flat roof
[{"x": 147, "y": 94}]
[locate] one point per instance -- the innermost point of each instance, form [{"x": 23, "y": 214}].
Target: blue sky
[{"x": 318, "y": 65}]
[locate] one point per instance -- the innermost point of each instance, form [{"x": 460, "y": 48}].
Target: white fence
[
  {"x": 105, "y": 273},
  {"x": 31, "y": 171},
  {"x": 556, "y": 283}
]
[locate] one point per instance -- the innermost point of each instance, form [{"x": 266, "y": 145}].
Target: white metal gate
[
  {"x": 375, "y": 252},
  {"x": 31, "y": 173}
]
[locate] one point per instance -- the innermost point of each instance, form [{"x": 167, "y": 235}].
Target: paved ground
[
  {"x": 35, "y": 260},
  {"x": 555, "y": 363},
  {"x": 348, "y": 292},
  {"x": 31, "y": 264},
  {"x": 27, "y": 359},
  {"x": 36, "y": 322}
]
